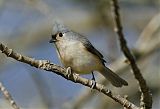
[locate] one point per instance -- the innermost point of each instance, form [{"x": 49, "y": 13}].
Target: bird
[{"x": 75, "y": 51}]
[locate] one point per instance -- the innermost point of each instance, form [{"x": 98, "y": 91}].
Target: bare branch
[
  {"x": 146, "y": 98},
  {"x": 120, "y": 68},
  {"x": 46, "y": 65},
  {"x": 8, "y": 96},
  {"x": 148, "y": 33}
]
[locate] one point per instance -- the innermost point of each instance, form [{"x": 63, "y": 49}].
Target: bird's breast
[{"x": 76, "y": 56}]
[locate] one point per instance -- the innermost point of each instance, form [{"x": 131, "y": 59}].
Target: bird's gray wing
[{"x": 91, "y": 49}]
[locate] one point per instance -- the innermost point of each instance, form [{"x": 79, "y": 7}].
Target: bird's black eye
[{"x": 60, "y": 34}]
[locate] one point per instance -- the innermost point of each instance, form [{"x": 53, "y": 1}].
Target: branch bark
[
  {"x": 8, "y": 96},
  {"x": 146, "y": 97},
  {"x": 87, "y": 95},
  {"x": 46, "y": 65}
]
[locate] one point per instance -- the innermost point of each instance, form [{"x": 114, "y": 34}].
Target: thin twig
[
  {"x": 86, "y": 95},
  {"x": 146, "y": 98},
  {"x": 143, "y": 55},
  {"x": 148, "y": 33},
  {"x": 8, "y": 96},
  {"x": 46, "y": 65}
]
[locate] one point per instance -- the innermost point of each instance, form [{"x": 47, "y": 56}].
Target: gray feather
[
  {"x": 113, "y": 78},
  {"x": 91, "y": 49},
  {"x": 59, "y": 27},
  {"x": 89, "y": 46}
]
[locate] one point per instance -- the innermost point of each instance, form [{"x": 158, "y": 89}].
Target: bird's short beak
[{"x": 53, "y": 39}]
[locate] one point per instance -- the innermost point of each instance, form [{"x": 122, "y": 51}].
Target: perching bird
[{"x": 77, "y": 52}]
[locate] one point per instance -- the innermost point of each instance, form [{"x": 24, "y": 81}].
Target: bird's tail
[{"x": 113, "y": 78}]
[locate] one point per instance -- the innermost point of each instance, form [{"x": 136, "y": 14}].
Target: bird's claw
[
  {"x": 69, "y": 72},
  {"x": 93, "y": 84}
]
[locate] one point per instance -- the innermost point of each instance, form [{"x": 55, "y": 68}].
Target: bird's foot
[
  {"x": 93, "y": 77},
  {"x": 93, "y": 81},
  {"x": 69, "y": 72},
  {"x": 93, "y": 84}
]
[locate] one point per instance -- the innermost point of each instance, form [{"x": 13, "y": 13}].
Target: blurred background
[{"x": 26, "y": 25}]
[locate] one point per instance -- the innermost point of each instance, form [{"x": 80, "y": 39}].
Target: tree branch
[
  {"x": 46, "y": 65},
  {"x": 146, "y": 98},
  {"x": 8, "y": 96},
  {"x": 87, "y": 95}
]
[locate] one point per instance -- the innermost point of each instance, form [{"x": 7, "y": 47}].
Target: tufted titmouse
[{"x": 77, "y": 52}]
